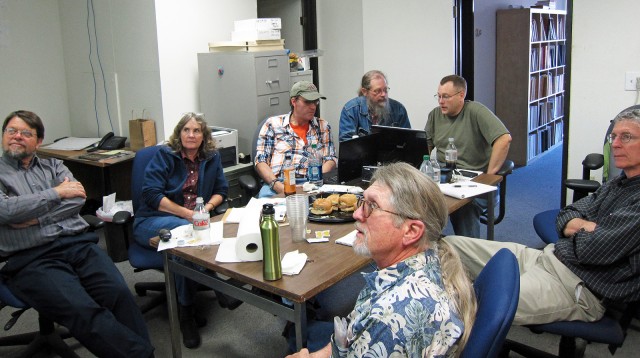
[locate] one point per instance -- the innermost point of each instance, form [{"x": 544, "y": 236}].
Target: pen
[{"x": 467, "y": 186}]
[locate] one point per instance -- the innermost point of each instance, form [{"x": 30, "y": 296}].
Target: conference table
[{"x": 327, "y": 264}]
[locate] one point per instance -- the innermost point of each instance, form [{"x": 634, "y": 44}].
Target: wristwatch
[{"x": 273, "y": 183}]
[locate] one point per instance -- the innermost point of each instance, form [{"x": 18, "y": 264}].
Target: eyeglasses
[
  {"x": 368, "y": 207},
  {"x": 379, "y": 91},
  {"x": 25, "y": 132},
  {"x": 444, "y": 97},
  {"x": 624, "y": 137}
]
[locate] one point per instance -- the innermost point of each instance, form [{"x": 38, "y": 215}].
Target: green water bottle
[{"x": 272, "y": 265}]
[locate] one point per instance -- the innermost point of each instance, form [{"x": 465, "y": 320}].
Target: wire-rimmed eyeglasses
[
  {"x": 25, "y": 132},
  {"x": 624, "y": 137},
  {"x": 444, "y": 97},
  {"x": 379, "y": 91}
]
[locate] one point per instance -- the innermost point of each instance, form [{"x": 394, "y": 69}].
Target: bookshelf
[{"x": 530, "y": 77}]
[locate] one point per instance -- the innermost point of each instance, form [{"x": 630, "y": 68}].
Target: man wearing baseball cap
[{"x": 293, "y": 133}]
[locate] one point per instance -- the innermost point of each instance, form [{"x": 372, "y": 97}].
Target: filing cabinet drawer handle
[{"x": 270, "y": 82}]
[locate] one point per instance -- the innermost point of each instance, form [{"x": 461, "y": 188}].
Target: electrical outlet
[{"x": 631, "y": 81}]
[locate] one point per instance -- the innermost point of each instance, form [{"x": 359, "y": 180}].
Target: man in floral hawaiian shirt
[{"x": 404, "y": 309}]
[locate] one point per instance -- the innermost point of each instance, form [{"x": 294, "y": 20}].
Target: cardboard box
[{"x": 142, "y": 133}]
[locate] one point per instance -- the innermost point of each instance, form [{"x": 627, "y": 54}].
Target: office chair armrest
[
  {"x": 587, "y": 186},
  {"x": 593, "y": 161},
  {"x": 121, "y": 217},
  {"x": 506, "y": 169},
  {"x": 222, "y": 208},
  {"x": 94, "y": 222},
  {"x": 248, "y": 183}
]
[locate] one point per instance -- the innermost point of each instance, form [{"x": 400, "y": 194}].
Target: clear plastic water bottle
[
  {"x": 436, "y": 170},
  {"x": 200, "y": 220},
  {"x": 451, "y": 155},
  {"x": 426, "y": 167},
  {"x": 314, "y": 172},
  {"x": 272, "y": 264}
]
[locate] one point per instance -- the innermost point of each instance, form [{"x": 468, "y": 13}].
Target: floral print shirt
[{"x": 404, "y": 311}]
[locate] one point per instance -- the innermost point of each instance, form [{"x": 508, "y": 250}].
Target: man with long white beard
[{"x": 372, "y": 106}]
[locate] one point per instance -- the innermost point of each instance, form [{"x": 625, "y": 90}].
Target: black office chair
[
  {"x": 48, "y": 337},
  {"x": 505, "y": 170},
  {"x": 251, "y": 183}
]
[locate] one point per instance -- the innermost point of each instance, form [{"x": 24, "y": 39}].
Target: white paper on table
[
  {"x": 72, "y": 143},
  {"x": 235, "y": 215},
  {"x": 183, "y": 236},
  {"x": 348, "y": 239},
  {"x": 467, "y": 189},
  {"x": 293, "y": 262}
]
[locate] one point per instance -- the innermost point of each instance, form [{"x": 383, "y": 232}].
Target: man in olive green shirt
[{"x": 481, "y": 138}]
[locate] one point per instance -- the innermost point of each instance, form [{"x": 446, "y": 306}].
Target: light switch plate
[{"x": 630, "y": 80}]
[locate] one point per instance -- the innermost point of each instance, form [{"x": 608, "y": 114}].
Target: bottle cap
[
  {"x": 425, "y": 157},
  {"x": 267, "y": 209}
]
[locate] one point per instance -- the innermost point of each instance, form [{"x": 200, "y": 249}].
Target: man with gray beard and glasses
[
  {"x": 52, "y": 263},
  {"x": 419, "y": 302},
  {"x": 372, "y": 106}
]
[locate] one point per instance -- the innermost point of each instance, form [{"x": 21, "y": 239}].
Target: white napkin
[{"x": 293, "y": 262}]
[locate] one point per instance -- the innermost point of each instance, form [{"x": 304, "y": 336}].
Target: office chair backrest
[
  {"x": 142, "y": 158},
  {"x": 255, "y": 139},
  {"x": 497, "y": 289}
]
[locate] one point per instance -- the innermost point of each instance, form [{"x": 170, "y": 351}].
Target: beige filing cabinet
[{"x": 240, "y": 89}]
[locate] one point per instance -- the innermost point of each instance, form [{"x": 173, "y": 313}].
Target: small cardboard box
[{"x": 142, "y": 133}]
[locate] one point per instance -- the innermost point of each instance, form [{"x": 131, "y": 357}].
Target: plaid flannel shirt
[{"x": 277, "y": 138}]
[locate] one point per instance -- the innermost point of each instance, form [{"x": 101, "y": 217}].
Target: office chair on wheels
[
  {"x": 497, "y": 289},
  {"x": 48, "y": 337},
  {"x": 143, "y": 258},
  {"x": 251, "y": 183}
]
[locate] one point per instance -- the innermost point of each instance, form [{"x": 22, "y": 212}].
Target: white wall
[
  {"x": 604, "y": 48},
  {"x": 361, "y": 35},
  {"x": 185, "y": 28},
  {"x": 32, "y": 65}
]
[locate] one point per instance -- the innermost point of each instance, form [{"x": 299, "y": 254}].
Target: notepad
[{"x": 467, "y": 189}]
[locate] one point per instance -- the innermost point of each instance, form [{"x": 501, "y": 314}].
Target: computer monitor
[
  {"x": 395, "y": 144},
  {"x": 354, "y": 153}
]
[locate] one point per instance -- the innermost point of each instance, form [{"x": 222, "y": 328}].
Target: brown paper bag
[{"x": 142, "y": 133}]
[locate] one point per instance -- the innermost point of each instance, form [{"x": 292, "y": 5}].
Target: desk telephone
[{"x": 109, "y": 142}]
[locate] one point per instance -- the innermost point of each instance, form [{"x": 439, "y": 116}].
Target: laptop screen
[
  {"x": 400, "y": 145},
  {"x": 354, "y": 153}
]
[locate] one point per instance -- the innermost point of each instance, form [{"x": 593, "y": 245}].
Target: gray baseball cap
[{"x": 306, "y": 90}]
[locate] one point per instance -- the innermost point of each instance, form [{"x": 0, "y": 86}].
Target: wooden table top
[{"x": 328, "y": 262}]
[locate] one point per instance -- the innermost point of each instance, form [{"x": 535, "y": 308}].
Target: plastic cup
[{"x": 297, "y": 214}]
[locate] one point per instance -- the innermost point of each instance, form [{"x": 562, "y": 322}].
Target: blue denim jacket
[{"x": 354, "y": 118}]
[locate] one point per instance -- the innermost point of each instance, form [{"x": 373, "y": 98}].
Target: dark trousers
[{"x": 73, "y": 282}]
